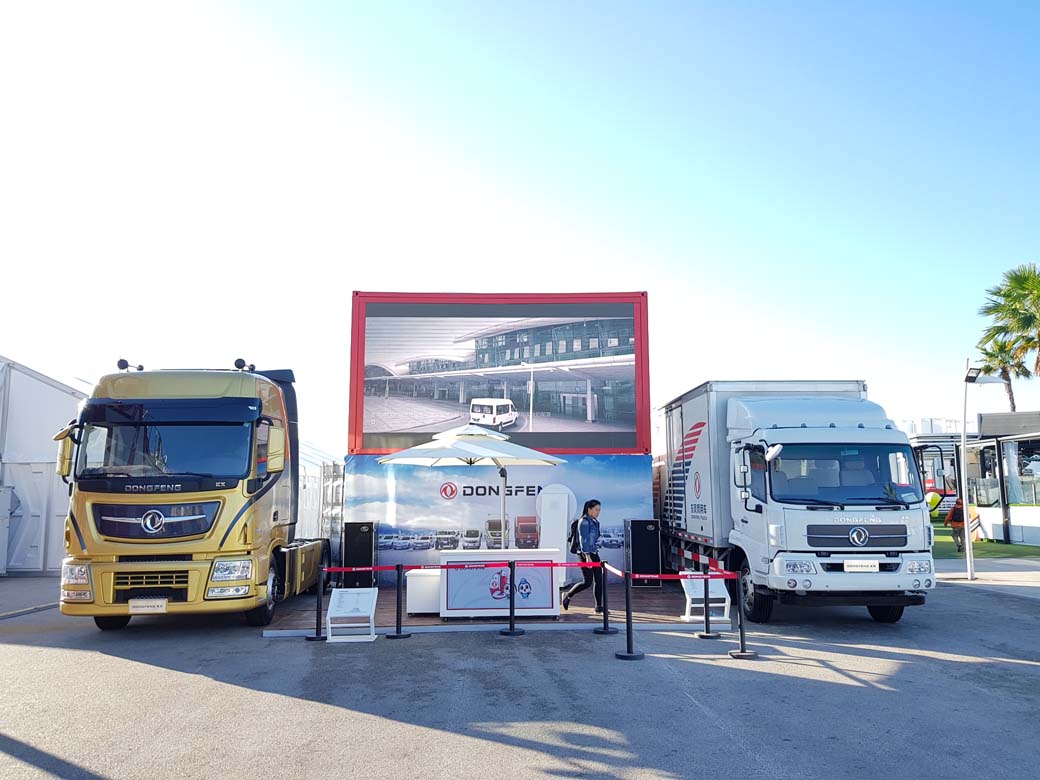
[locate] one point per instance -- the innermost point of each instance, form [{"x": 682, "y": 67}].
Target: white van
[{"x": 493, "y": 412}]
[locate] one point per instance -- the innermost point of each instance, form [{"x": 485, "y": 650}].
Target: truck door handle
[
  {"x": 274, "y": 519},
  {"x": 743, "y": 520}
]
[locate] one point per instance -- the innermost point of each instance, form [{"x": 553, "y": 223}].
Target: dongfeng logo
[
  {"x": 449, "y": 490},
  {"x": 153, "y": 521},
  {"x": 859, "y": 536}
]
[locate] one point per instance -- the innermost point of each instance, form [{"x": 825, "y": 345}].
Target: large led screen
[{"x": 563, "y": 373}]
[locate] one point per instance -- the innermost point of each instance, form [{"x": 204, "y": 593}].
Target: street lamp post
[
  {"x": 530, "y": 397},
  {"x": 974, "y": 376}
]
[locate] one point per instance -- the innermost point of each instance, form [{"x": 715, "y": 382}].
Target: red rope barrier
[{"x": 719, "y": 575}]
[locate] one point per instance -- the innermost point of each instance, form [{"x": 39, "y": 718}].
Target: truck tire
[
  {"x": 111, "y": 622},
  {"x": 264, "y": 614},
  {"x": 886, "y": 614},
  {"x": 757, "y": 608}
]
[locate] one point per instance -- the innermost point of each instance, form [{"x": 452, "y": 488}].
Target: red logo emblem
[
  {"x": 449, "y": 490},
  {"x": 697, "y": 484}
]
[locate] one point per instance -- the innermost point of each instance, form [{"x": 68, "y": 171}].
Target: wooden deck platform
[{"x": 649, "y": 605}]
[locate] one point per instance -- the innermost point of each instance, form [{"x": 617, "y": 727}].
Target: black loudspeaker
[
  {"x": 359, "y": 549},
  {"x": 643, "y": 550}
]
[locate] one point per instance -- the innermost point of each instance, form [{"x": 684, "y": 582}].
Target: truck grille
[
  {"x": 151, "y": 579},
  {"x": 838, "y": 536},
  {"x": 149, "y": 522}
]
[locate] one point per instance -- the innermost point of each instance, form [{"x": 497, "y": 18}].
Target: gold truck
[{"x": 184, "y": 493}]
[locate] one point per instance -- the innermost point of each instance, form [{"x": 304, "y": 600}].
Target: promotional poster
[{"x": 420, "y": 511}]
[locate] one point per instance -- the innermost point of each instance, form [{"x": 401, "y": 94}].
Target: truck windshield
[
  {"x": 154, "y": 450},
  {"x": 875, "y": 474}
]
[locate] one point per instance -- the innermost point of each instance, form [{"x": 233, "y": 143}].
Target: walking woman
[{"x": 586, "y": 544}]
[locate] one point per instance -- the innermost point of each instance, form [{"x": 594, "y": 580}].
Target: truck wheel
[
  {"x": 757, "y": 608},
  {"x": 886, "y": 614},
  {"x": 111, "y": 622},
  {"x": 264, "y": 614}
]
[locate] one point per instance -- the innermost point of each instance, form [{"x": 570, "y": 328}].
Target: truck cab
[
  {"x": 184, "y": 497},
  {"x": 828, "y": 506},
  {"x": 447, "y": 540},
  {"x": 493, "y": 532},
  {"x": 527, "y": 531}
]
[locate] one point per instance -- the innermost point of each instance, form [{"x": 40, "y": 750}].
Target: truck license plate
[
  {"x": 862, "y": 566},
  {"x": 147, "y": 606}
]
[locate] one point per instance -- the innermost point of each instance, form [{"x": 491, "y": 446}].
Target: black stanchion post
[
  {"x": 707, "y": 633},
  {"x": 606, "y": 629},
  {"x": 512, "y": 630},
  {"x": 320, "y": 588},
  {"x": 400, "y": 596},
  {"x": 631, "y": 655},
  {"x": 743, "y": 653}
]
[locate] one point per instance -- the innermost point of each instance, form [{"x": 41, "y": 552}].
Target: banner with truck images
[{"x": 419, "y": 511}]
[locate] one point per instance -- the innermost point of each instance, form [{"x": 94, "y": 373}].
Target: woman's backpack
[{"x": 574, "y": 537}]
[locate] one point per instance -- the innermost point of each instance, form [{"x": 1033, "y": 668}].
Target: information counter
[{"x": 479, "y": 591}]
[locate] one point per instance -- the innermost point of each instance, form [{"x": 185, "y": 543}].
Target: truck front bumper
[
  {"x": 829, "y": 583},
  {"x": 184, "y": 585}
]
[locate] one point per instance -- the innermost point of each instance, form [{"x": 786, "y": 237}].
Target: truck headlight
[
  {"x": 919, "y": 567},
  {"x": 76, "y": 595},
  {"x": 799, "y": 567},
  {"x": 75, "y": 574},
  {"x": 225, "y": 571}
]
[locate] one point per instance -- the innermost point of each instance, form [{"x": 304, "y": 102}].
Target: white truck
[{"x": 806, "y": 489}]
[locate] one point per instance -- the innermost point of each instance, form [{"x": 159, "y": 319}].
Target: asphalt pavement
[{"x": 951, "y": 691}]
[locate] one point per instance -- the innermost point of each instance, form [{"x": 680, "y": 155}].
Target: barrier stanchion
[
  {"x": 320, "y": 587},
  {"x": 606, "y": 629},
  {"x": 400, "y": 595},
  {"x": 631, "y": 654},
  {"x": 707, "y": 633},
  {"x": 743, "y": 653},
  {"x": 512, "y": 630}
]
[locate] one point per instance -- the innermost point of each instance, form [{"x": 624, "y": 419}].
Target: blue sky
[{"x": 810, "y": 190}]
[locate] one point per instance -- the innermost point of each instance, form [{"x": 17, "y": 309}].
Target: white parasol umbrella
[{"x": 472, "y": 445}]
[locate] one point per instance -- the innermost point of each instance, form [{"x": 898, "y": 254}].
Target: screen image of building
[{"x": 582, "y": 370}]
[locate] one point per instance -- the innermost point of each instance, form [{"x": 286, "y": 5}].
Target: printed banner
[
  {"x": 418, "y": 512},
  {"x": 480, "y": 588}
]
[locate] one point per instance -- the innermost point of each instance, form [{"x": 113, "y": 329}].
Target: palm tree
[
  {"x": 1004, "y": 358},
  {"x": 1014, "y": 305}
]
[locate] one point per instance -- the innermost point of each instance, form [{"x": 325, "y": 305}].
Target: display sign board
[
  {"x": 475, "y": 587},
  {"x": 559, "y": 373}
]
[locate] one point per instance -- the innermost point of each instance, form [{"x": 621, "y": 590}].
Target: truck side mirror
[
  {"x": 740, "y": 470},
  {"x": 65, "y": 446},
  {"x": 275, "y": 450}
]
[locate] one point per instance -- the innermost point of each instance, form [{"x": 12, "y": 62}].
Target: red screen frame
[{"x": 357, "y": 355}]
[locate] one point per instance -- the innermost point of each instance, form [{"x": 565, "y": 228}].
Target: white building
[{"x": 34, "y": 502}]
